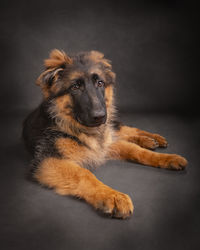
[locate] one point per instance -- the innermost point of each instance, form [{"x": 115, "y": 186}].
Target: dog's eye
[
  {"x": 76, "y": 85},
  {"x": 95, "y": 77},
  {"x": 100, "y": 84}
]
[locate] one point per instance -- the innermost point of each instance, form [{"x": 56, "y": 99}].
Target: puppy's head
[{"x": 79, "y": 88}]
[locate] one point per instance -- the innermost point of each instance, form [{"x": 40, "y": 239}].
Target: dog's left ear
[
  {"x": 54, "y": 67},
  {"x": 98, "y": 57}
]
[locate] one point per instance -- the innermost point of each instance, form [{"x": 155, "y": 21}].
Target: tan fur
[
  {"x": 64, "y": 105},
  {"x": 109, "y": 96},
  {"x": 61, "y": 112},
  {"x": 97, "y": 57},
  {"x": 67, "y": 178},
  {"x": 124, "y": 150},
  {"x": 45, "y": 89},
  {"x": 142, "y": 138},
  {"x": 92, "y": 153},
  {"x": 68, "y": 175},
  {"x": 75, "y": 75},
  {"x": 57, "y": 58}
]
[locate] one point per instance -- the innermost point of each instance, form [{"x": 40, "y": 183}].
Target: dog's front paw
[
  {"x": 161, "y": 140},
  {"x": 115, "y": 204},
  {"x": 174, "y": 161},
  {"x": 147, "y": 142}
]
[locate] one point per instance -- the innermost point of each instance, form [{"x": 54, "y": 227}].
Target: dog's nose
[{"x": 98, "y": 116}]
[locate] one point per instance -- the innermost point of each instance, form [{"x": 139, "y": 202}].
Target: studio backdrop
[{"x": 152, "y": 46}]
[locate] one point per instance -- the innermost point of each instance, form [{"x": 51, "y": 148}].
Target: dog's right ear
[{"x": 54, "y": 67}]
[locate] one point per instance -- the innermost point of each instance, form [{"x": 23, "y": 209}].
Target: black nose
[{"x": 98, "y": 116}]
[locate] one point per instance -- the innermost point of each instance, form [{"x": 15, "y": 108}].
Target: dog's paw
[
  {"x": 115, "y": 204},
  {"x": 147, "y": 142},
  {"x": 161, "y": 140},
  {"x": 175, "y": 162}
]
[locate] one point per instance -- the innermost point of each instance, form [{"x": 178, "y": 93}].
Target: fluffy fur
[{"x": 63, "y": 146}]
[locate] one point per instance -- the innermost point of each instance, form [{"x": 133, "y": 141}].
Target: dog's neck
[
  {"x": 72, "y": 127},
  {"x": 67, "y": 124}
]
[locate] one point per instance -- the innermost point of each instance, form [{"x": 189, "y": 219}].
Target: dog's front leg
[
  {"x": 122, "y": 149},
  {"x": 68, "y": 178},
  {"x": 142, "y": 138}
]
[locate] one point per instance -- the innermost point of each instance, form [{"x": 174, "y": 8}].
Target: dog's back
[{"x": 34, "y": 126}]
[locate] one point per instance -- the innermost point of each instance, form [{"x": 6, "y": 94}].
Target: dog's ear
[
  {"x": 54, "y": 67},
  {"x": 98, "y": 57},
  {"x": 57, "y": 59}
]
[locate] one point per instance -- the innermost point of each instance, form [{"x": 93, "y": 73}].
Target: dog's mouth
[{"x": 93, "y": 124}]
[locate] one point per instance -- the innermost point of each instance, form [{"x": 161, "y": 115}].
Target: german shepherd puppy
[{"x": 74, "y": 127}]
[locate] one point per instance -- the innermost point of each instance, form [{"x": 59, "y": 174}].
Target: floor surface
[{"x": 166, "y": 202}]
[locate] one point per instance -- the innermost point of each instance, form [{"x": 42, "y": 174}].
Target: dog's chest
[
  {"x": 92, "y": 150},
  {"x": 97, "y": 149}
]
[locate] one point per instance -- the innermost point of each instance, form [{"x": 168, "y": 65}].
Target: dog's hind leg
[
  {"x": 68, "y": 178},
  {"x": 142, "y": 138},
  {"x": 129, "y": 151}
]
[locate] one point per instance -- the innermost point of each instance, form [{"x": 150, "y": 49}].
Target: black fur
[
  {"x": 35, "y": 125},
  {"x": 40, "y": 137},
  {"x": 88, "y": 105},
  {"x": 46, "y": 146},
  {"x": 116, "y": 124}
]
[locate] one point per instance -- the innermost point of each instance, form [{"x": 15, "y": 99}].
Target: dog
[{"x": 75, "y": 126}]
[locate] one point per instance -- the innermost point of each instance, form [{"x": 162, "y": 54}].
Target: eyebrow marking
[
  {"x": 75, "y": 75},
  {"x": 95, "y": 70}
]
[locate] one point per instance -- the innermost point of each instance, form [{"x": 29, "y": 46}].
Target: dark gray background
[{"x": 153, "y": 46}]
